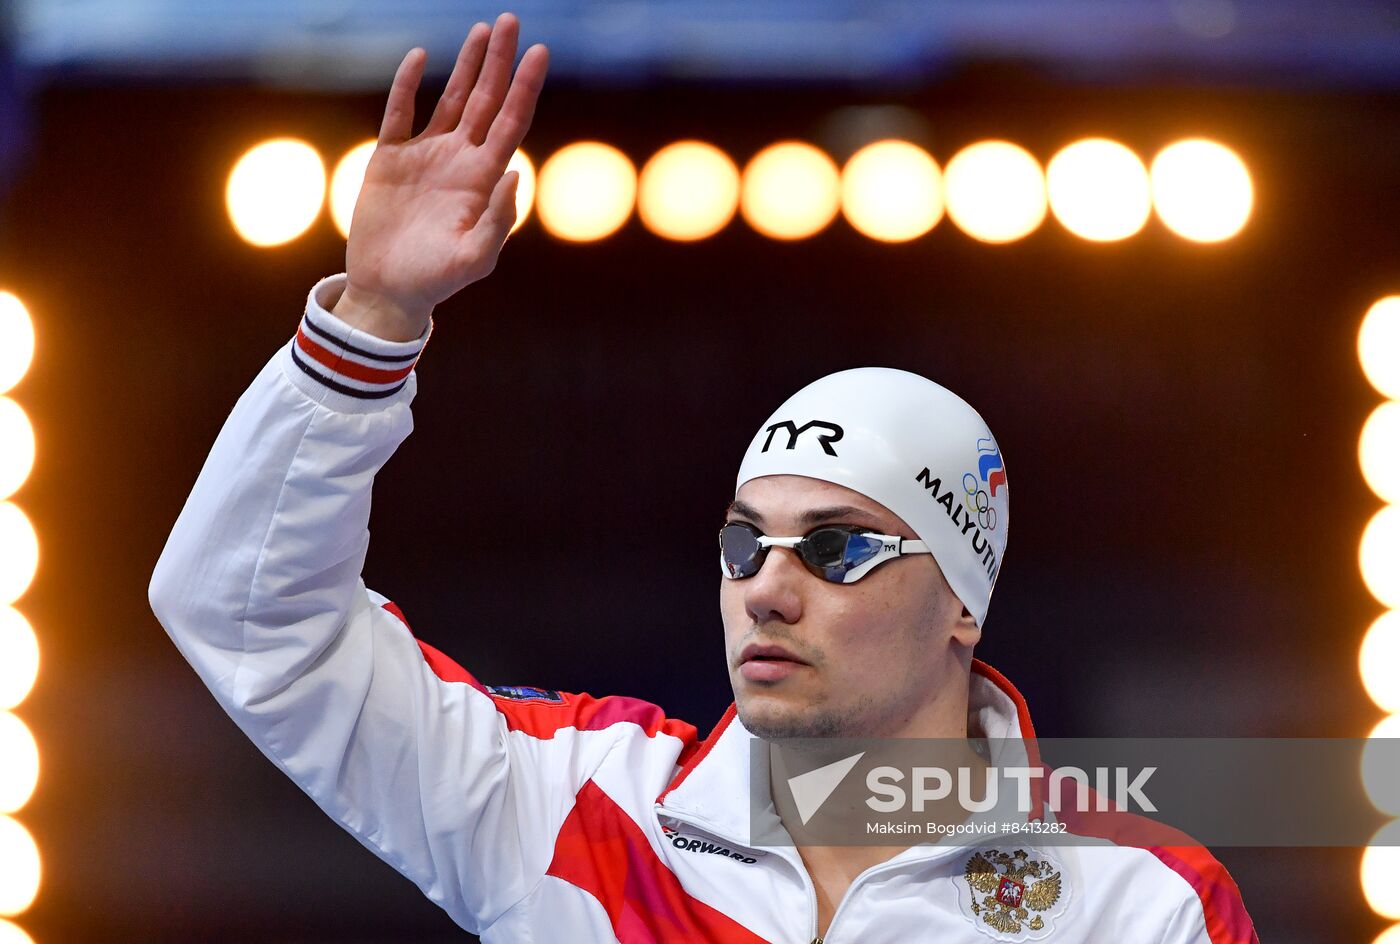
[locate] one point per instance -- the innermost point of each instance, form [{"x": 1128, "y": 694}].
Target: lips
[
  {"x": 768, "y": 653},
  {"x": 768, "y": 664}
]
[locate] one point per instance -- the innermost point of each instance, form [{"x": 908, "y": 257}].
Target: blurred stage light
[
  {"x": 1099, "y": 190},
  {"x": 1379, "y": 659},
  {"x": 1380, "y": 871},
  {"x": 346, "y": 179},
  {"x": 995, "y": 191},
  {"x": 19, "y": 763},
  {"x": 689, "y": 190},
  {"x": 1390, "y": 935},
  {"x": 19, "y": 650},
  {"x": 1377, "y": 344},
  {"x": 1380, "y": 774},
  {"x": 892, "y": 191},
  {"x": 524, "y": 189},
  {"x": 16, "y": 447},
  {"x": 1379, "y": 451},
  {"x": 13, "y": 934},
  {"x": 790, "y": 190},
  {"x": 19, "y": 657},
  {"x": 1380, "y": 555},
  {"x": 275, "y": 191},
  {"x": 1202, "y": 190},
  {"x": 19, "y": 867},
  {"x": 16, "y": 340},
  {"x": 19, "y": 552},
  {"x": 586, "y": 191}
]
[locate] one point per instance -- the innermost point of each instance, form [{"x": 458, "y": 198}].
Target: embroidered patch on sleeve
[{"x": 526, "y": 693}]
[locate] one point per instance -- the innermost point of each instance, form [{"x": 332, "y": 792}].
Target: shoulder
[
  {"x": 544, "y": 712},
  {"x": 1172, "y": 862}
]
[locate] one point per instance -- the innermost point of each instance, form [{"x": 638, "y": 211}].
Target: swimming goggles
[{"x": 835, "y": 553}]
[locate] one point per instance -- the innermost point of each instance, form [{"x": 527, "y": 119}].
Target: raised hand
[{"x": 435, "y": 208}]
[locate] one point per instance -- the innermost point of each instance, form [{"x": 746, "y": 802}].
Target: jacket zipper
[{"x": 841, "y": 905}]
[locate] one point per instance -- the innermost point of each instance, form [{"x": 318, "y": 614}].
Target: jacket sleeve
[{"x": 259, "y": 587}]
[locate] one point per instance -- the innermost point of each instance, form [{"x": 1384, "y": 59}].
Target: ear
[{"x": 966, "y": 631}]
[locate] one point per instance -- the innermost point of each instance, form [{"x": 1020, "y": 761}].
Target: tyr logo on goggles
[{"x": 835, "y": 553}]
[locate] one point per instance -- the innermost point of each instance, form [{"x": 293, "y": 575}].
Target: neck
[{"x": 942, "y": 710}]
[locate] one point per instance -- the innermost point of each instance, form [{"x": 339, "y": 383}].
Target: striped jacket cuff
[{"x": 344, "y": 368}]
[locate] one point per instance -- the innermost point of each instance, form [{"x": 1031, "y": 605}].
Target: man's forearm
[{"x": 329, "y": 393}]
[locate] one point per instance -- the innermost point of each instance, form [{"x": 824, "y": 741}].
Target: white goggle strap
[{"x": 891, "y": 546}]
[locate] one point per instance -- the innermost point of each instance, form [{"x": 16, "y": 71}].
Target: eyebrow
[{"x": 811, "y": 516}]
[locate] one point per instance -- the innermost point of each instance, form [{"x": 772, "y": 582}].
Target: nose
[{"x": 775, "y": 592}]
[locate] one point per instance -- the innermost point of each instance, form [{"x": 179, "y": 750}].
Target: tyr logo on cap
[{"x": 793, "y": 430}]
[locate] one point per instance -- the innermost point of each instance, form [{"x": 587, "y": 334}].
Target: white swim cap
[{"x": 913, "y": 446}]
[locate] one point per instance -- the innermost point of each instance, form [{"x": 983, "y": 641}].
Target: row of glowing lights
[
  {"x": 891, "y": 190},
  {"x": 19, "y": 649},
  {"x": 1378, "y": 345}
]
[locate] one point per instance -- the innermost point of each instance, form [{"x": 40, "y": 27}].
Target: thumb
[
  {"x": 481, "y": 245},
  {"x": 501, "y": 207},
  {"x": 485, "y": 239}
]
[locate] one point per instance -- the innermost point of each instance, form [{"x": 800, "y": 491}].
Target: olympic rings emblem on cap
[{"x": 978, "y": 502}]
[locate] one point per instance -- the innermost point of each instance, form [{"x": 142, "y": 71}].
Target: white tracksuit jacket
[{"x": 531, "y": 815}]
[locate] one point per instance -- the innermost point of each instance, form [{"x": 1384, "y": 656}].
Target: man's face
[{"x": 808, "y": 658}]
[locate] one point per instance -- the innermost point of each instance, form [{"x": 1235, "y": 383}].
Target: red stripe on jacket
[
  {"x": 600, "y": 850},
  {"x": 1227, "y": 922},
  {"x": 348, "y": 368}
]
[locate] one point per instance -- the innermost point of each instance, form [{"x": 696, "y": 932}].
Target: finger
[
  {"x": 491, "y": 230},
  {"x": 485, "y": 99},
  {"x": 513, "y": 121},
  {"x": 464, "y": 73},
  {"x": 398, "y": 111}
]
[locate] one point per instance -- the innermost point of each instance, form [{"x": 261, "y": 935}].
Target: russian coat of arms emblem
[{"x": 1012, "y": 896}]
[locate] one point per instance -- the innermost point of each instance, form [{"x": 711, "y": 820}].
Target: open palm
[{"x": 435, "y": 209}]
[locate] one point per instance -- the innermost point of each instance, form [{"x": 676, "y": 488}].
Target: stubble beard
[{"x": 814, "y": 721}]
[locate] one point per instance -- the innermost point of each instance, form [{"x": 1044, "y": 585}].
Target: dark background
[{"x": 1179, "y": 424}]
